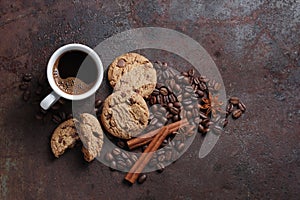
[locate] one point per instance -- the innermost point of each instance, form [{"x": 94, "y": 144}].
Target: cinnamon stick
[
  {"x": 143, "y": 160},
  {"x": 146, "y": 138}
]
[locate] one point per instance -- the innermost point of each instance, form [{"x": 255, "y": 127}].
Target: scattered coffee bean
[
  {"x": 237, "y": 113},
  {"x": 27, "y": 77},
  {"x": 242, "y": 106},
  {"x": 116, "y": 151},
  {"x": 181, "y": 147},
  {"x": 56, "y": 119},
  {"x": 55, "y": 106},
  {"x": 229, "y": 108},
  {"x": 234, "y": 100},
  {"x": 121, "y": 165},
  {"x": 121, "y": 144},
  {"x": 160, "y": 167},
  {"x": 98, "y": 103},
  {"x": 128, "y": 163},
  {"x": 163, "y": 91},
  {"x": 109, "y": 157},
  {"x": 23, "y": 86},
  {"x": 191, "y": 72},
  {"x": 62, "y": 115},
  {"x": 142, "y": 178},
  {"x": 26, "y": 95}
]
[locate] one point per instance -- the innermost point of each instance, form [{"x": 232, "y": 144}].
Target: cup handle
[{"x": 49, "y": 100}]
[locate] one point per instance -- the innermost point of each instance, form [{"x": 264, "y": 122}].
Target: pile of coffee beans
[{"x": 235, "y": 108}]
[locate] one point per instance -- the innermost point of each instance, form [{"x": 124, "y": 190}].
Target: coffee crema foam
[{"x": 70, "y": 85}]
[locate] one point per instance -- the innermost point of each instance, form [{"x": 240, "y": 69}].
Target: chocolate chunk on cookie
[
  {"x": 141, "y": 79},
  {"x": 123, "y": 64},
  {"x": 64, "y": 136},
  {"x": 125, "y": 114},
  {"x": 91, "y": 135}
]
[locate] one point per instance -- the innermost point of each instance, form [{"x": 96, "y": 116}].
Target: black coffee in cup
[{"x": 75, "y": 72}]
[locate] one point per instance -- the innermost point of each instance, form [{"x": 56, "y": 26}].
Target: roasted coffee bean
[
  {"x": 160, "y": 167},
  {"x": 154, "y": 108},
  {"x": 27, "y": 77},
  {"x": 191, "y": 72},
  {"x": 26, "y": 95},
  {"x": 242, "y": 106},
  {"x": 168, "y": 155},
  {"x": 180, "y": 147},
  {"x": 142, "y": 178},
  {"x": 186, "y": 80},
  {"x": 217, "y": 129},
  {"x": 175, "y": 155},
  {"x": 187, "y": 102},
  {"x": 237, "y": 113},
  {"x": 201, "y": 128},
  {"x": 23, "y": 86},
  {"x": 154, "y": 121},
  {"x": 121, "y": 165},
  {"x": 189, "y": 89},
  {"x": 189, "y": 114},
  {"x": 161, "y": 158},
  {"x": 177, "y": 88},
  {"x": 98, "y": 103},
  {"x": 166, "y": 75},
  {"x": 170, "y": 105},
  {"x": 177, "y": 104},
  {"x": 128, "y": 163},
  {"x": 62, "y": 115},
  {"x": 164, "y": 91},
  {"x": 179, "y": 98},
  {"x": 202, "y": 86},
  {"x": 200, "y": 93},
  {"x": 125, "y": 155},
  {"x": 174, "y": 110},
  {"x": 169, "y": 115},
  {"x": 189, "y": 108},
  {"x": 56, "y": 119},
  {"x": 121, "y": 144},
  {"x": 155, "y": 92},
  {"x": 217, "y": 86},
  {"x": 134, "y": 158},
  {"x": 202, "y": 115},
  {"x": 234, "y": 100},
  {"x": 109, "y": 157},
  {"x": 153, "y": 100},
  {"x": 159, "y": 99},
  {"x": 165, "y": 99},
  {"x": 172, "y": 98},
  {"x": 185, "y": 74},
  {"x": 175, "y": 118},
  {"x": 162, "y": 119},
  {"x": 204, "y": 79},
  {"x": 55, "y": 106},
  {"x": 229, "y": 108},
  {"x": 187, "y": 95},
  {"x": 224, "y": 122},
  {"x": 116, "y": 151}
]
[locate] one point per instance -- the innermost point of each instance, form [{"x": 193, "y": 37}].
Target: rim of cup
[{"x": 75, "y": 47}]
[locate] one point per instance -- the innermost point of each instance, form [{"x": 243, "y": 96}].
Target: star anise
[{"x": 212, "y": 105}]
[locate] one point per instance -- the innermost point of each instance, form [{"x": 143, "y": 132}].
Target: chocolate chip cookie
[
  {"x": 64, "y": 136},
  {"x": 123, "y": 64},
  {"x": 91, "y": 135},
  {"x": 141, "y": 79},
  {"x": 125, "y": 114}
]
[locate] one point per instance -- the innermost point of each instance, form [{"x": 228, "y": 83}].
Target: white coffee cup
[{"x": 57, "y": 93}]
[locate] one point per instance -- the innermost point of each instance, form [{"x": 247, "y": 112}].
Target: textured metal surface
[{"x": 255, "y": 44}]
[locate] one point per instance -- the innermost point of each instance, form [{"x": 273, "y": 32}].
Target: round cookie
[
  {"x": 141, "y": 79},
  {"x": 64, "y": 136},
  {"x": 123, "y": 64},
  {"x": 125, "y": 114},
  {"x": 91, "y": 135}
]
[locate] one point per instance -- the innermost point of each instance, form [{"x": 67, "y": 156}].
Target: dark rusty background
[{"x": 255, "y": 44}]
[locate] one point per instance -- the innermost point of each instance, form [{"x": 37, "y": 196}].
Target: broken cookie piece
[
  {"x": 91, "y": 135},
  {"x": 64, "y": 136}
]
